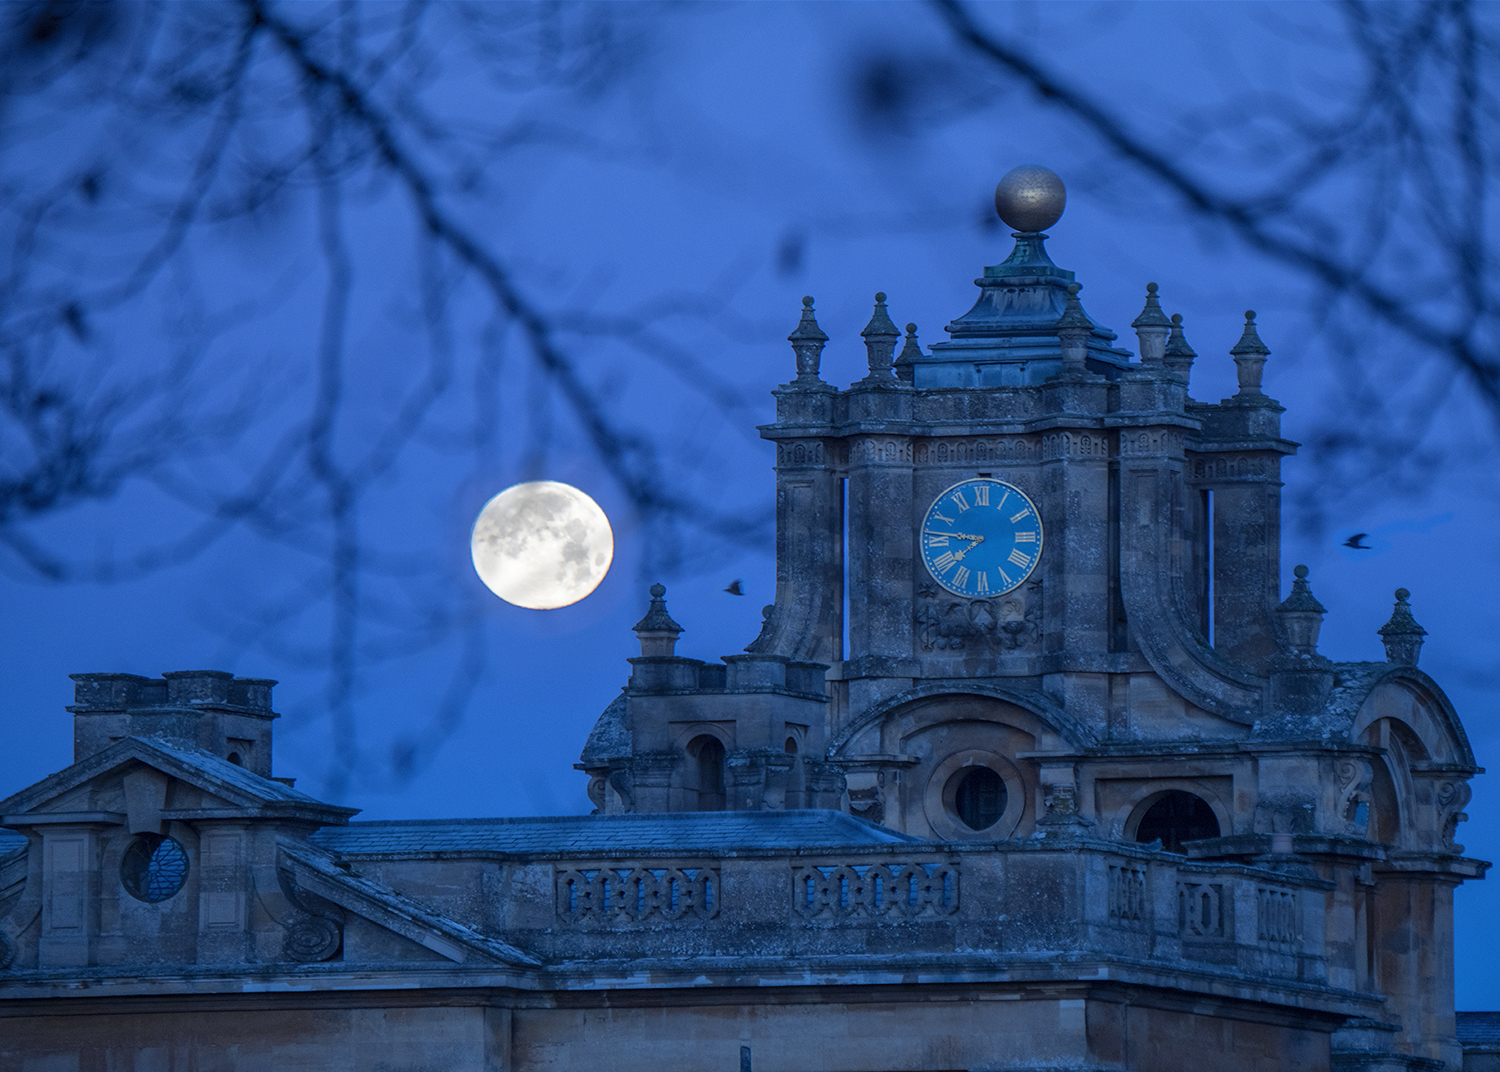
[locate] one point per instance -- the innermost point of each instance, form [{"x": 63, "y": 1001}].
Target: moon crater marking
[{"x": 542, "y": 545}]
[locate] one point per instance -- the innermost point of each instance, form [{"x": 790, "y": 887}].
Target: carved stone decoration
[
  {"x": 969, "y": 451},
  {"x": 867, "y": 796},
  {"x": 1354, "y": 777},
  {"x": 1234, "y": 466},
  {"x": 595, "y": 793},
  {"x": 621, "y": 782},
  {"x": 1061, "y": 805},
  {"x": 1451, "y": 799},
  {"x": 315, "y": 931},
  {"x": 1009, "y": 622},
  {"x": 311, "y": 939}
]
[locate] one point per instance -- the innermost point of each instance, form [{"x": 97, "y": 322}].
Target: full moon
[{"x": 542, "y": 545}]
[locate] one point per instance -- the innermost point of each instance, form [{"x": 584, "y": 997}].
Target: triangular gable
[
  {"x": 240, "y": 790},
  {"x": 318, "y": 873}
]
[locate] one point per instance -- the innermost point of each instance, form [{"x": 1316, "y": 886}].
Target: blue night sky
[{"x": 730, "y": 138}]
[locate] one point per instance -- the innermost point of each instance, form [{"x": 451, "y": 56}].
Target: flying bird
[
  {"x": 734, "y": 589},
  {"x": 1354, "y": 541}
]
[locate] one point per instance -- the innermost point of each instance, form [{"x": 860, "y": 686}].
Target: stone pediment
[{"x": 146, "y": 782}]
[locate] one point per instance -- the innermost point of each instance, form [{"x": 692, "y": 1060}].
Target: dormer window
[{"x": 153, "y": 868}]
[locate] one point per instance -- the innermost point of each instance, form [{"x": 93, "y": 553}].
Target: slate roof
[
  {"x": 241, "y": 778},
  {"x": 678, "y": 833},
  {"x": 10, "y": 841},
  {"x": 1479, "y": 1030}
]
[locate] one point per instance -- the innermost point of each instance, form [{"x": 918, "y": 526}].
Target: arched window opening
[
  {"x": 708, "y": 754},
  {"x": 980, "y": 798},
  {"x": 1177, "y": 817},
  {"x": 234, "y": 757},
  {"x": 791, "y": 746}
]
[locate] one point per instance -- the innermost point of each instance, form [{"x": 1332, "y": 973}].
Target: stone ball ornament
[
  {"x": 1030, "y": 198},
  {"x": 542, "y": 545}
]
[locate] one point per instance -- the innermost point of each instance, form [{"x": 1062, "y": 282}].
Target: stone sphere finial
[
  {"x": 658, "y": 590},
  {"x": 1300, "y": 572},
  {"x": 1030, "y": 198},
  {"x": 1402, "y": 594}
]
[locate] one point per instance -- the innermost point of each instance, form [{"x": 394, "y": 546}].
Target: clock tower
[{"x": 1029, "y": 594}]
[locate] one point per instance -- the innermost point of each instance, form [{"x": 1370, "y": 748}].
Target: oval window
[
  {"x": 153, "y": 868},
  {"x": 980, "y": 798}
]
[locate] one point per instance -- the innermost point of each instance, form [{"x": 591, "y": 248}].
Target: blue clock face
[{"x": 981, "y": 538}]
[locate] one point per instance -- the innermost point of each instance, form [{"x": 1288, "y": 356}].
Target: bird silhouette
[
  {"x": 734, "y": 589},
  {"x": 1354, "y": 541}
]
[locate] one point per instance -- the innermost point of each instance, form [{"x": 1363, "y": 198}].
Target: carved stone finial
[
  {"x": 1073, "y": 329},
  {"x": 1151, "y": 329},
  {"x": 657, "y": 631},
  {"x": 910, "y": 353},
  {"x": 1402, "y": 635},
  {"x": 1178, "y": 355},
  {"x": 1249, "y": 357},
  {"x": 880, "y": 342},
  {"x": 1301, "y": 616},
  {"x": 1030, "y": 198},
  {"x": 807, "y": 343}
]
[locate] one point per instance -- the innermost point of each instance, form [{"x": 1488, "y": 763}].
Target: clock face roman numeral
[
  {"x": 958, "y": 497},
  {"x": 961, "y": 576},
  {"x": 1020, "y": 558},
  {"x": 982, "y": 583},
  {"x": 1017, "y": 517},
  {"x": 944, "y": 560},
  {"x": 937, "y": 541},
  {"x": 981, "y": 495},
  {"x": 1026, "y": 537}
]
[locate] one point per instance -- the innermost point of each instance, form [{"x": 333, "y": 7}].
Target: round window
[
  {"x": 154, "y": 868},
  {"x": 980, "y": 798}
]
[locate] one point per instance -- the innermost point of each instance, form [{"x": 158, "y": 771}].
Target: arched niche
[
  {"x": 701, "y": 779},
  {"x": 1124, "y": 824},
  {"x": 1174, "y": 817}
]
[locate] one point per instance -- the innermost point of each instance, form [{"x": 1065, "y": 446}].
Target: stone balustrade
[{"x": 1025, "y": 899}]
